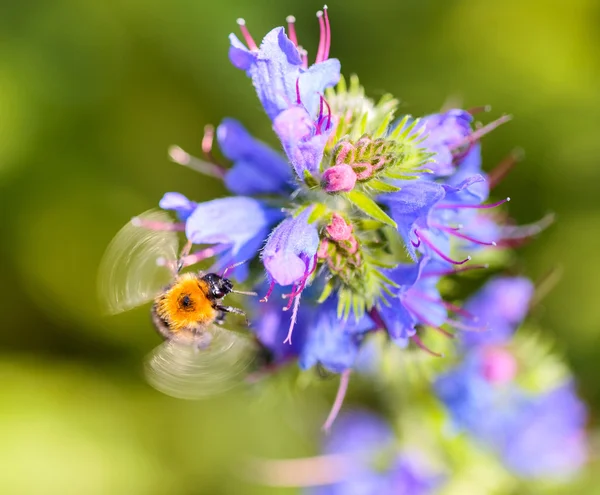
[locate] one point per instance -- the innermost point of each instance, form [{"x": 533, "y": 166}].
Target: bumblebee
[{"x": 199, "y": 356}]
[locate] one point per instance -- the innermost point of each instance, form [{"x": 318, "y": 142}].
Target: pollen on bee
[{"x": 186, "y": 304}]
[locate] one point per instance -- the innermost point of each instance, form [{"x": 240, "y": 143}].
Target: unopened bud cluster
[{"x": 339, "y": 248}]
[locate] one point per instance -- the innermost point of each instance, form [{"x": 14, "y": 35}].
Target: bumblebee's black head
[{"x": 218, "y": 287}]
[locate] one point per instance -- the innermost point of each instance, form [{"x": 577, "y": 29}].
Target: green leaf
[
  {"x": 399, "y": 128},
  {"x": 309, "y": 180},
  {"x": 326, "y": 292},
  {"x": 382, "y": 186},
  {"x": 369, "y": 207},
  {"x": 318, "y": 212},
  {"x": 381, "y": 276}
]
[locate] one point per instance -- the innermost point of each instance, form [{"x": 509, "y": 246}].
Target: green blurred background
[{"x": 92, "y": 93}]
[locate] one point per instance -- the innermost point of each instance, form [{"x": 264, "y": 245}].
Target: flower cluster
[
  {"x": 536, "y": 433},
  {"x": 355, "y": 221}
]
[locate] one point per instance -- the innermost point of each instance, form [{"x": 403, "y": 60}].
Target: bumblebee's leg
[
  {"x": 184, "y": 252},
  {"x": 231, "y": 309},
  {"x": 221, "y": 318}
]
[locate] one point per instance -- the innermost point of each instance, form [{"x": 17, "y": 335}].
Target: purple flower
[
  {"x": 279, "y": 73},
  {"x": 257, "y": 169},
  {"x": 411, "y": 208},
  {"x": 239, "y": 225},
  {"x": 289, "y": 255},
  {"x": 179, "y": 204},
  {"x": 303, "y": 139},
  {"x": 547, "y": 438},
  {"x": 375, "y": 464},
  {"x": 331, "y": 341},
  {"x": 417, "y": 301},
  {"x": 445, "y": 132},
  {"x": 534, "y": 435},
  {"x": 499, "y": 306}
]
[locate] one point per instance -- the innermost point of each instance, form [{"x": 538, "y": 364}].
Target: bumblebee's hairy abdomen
[{"x": 186, "y": 304}]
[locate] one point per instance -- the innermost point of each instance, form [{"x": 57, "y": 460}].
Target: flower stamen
[
  {"x": 339, "y": 400},
  {"x": 479, "y": 133},
  {"x": 182, "y": 157},
  {"x": 322, "y": 38},
  {"x": 327, "y": 33},
  {"x": 436, "y": 250},
  {"x": 288, "y": 339},
  {"x": 454, "y": 231},
  {"x": 269, "y": 292},
  {"x": 153, "y": 225},
  {"x": 426, "y": 321},
  {"x": 291, "y": 20},
  {"x": 417, "y": 340},
  {"x": 444, "y": 273},
  {"x": 476, "y": 207},
  {"x": 246, "y": 34}
]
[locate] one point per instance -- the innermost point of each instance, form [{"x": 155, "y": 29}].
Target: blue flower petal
[
  {"x": 410, "y": 207},
  {"x": 302, "y": 143},
  {"x": 291, "y": 248},
  {"x": 276, "y": 67},
  {"x": 179, "y": 203},
  {"x": 333, "y": 342},
  {"x": 232, "y": 221},
  {"x": 257, "y": 168}
]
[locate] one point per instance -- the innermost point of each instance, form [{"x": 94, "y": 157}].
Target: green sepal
[
  {"x": 369, "y": 207},
  {"x": 382, "y": 186},
  {"x": 319, "y": 211},
  {"x": 309, "y": 180},
  {"x": 327, "y": 290}
]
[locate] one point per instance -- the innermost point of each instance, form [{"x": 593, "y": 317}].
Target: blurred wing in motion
[
  {"x": 130, "y": 274},
  {"x": 210, "y": 364}
]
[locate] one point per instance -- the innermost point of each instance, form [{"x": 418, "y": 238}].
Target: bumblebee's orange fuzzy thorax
[{"x": 186, "y": 303}]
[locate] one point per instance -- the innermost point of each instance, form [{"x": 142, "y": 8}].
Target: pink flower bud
[
  {"x": 341, "y": 153},
  {"x": 339, "y": 178},
  {"x": 365, "y": 170},
  {"x": 323, "y": 248},
  {"x": 499, "y": 365},
  {"x": 338, "y": 229}
]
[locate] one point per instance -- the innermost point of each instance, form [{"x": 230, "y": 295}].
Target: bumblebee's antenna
[
  {"x": 244, "y": 292},
  {"x": 231, "y": 267}
]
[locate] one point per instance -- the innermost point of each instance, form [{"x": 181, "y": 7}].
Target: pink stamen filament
[
  {"x": 207, "y": 140},
  {"x": 479, "y": 133},
  {"x": 500, "y": 171},
  {"x": 464, "y": 326},
  {"x": 246, "y": 34},
  {"x": 322, "y": 37},
  {"x": 328, "y": 114},
  {"x": 288, "y": 339},
  {"x": 448, "y": 305},
  {"x": 327, "y": 33},
  {"x": 438, "y": 251},
  {"x": 298, "y": 98},
  {"x": 305, "y": 472},
  {"x": 455, "y": 233},
  {"x": 426, "y": 321},
  {"x": 339, "y": 400},
  {"x": 480, "y": 109},
  {"x": 198, "y": 256},
  {"x": 476, "y": 207},
  {"x": 297, "y": 289},
  {"x": 206, "y": 168},
  {"x": 377, "y": 319},
  {"x": 417, "y": 340},
  {"x": 304, "y": 56},
  {"x": 269, "y": 292},
  {"x": 291, "y": 20},
  {"x": 443, "y": 273},
  {"x": 152, "y": 225}
]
